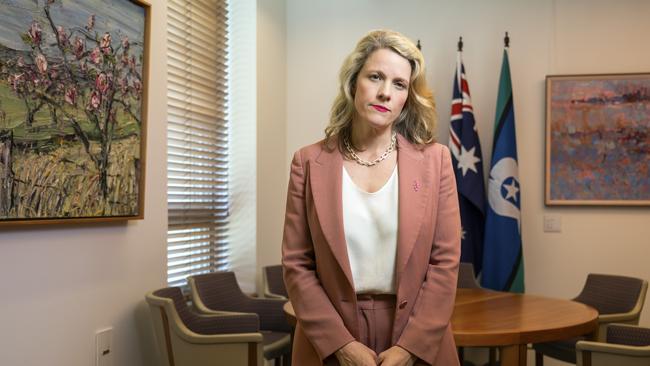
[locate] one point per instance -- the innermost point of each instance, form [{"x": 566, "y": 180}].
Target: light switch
[
  {"x": 552, "y": 224},
  {"x": 104, "y": 342}
]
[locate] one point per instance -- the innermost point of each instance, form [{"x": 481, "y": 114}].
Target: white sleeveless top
[{"x": 370, "y": 225}]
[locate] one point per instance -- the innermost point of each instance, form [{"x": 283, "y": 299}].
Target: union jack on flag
[{"x": 468, "y": 167}]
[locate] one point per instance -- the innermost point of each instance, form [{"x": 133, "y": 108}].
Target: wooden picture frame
[
  {"x": 73, "y": 109},
  {"x": 598, "y": 140}
]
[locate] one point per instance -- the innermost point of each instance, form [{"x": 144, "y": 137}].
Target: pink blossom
[
  {"x": 78, "y": 47},
  {"x": 137, "y": 85},
  {"x": 125, "y": 59},
  {"x": 105, "y": 43},
  {"x": 96, "y": 56},
  {"x": 43, "y": 81},
  {"x": 132, "y": 63},
  {"x": 63, "y": 37},
  {"x": 91, "y": 22},
  {"x": 124, "y": 85},
  {"x": 35, "y": 32},
  {"x": 41, "y": 63},
  {"x": 102, "y": 83},
  {"x": 71, "y": 96},
  {"x": 16, "y": 81},
  {"x": 95, "y": 100},
  {"x": 125, "y": 43}
]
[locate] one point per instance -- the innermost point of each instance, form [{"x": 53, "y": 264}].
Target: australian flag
[{"x": 468, "y": 167}]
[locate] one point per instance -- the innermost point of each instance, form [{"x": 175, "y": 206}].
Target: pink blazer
[{"x": 317, "y": 270}]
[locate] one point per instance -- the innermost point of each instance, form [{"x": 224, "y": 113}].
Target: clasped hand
[{"x": 357, "y": 354}]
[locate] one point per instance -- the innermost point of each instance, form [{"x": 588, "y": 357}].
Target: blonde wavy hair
[{"x": 416, "y": 122}]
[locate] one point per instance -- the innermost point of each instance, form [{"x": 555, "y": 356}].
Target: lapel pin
[{"x": 416, "y": 185}]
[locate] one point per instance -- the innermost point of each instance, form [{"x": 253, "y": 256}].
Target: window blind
[{"x": 197, "y": 138}]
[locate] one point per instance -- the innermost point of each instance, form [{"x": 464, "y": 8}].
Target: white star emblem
[
  {"x": 511, "y": 190},
  {"x": 467, "y": 160},
  {"x": 462, "y": 233}
]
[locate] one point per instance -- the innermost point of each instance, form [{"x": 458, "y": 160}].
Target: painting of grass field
[{"x": 71, "y": 110}]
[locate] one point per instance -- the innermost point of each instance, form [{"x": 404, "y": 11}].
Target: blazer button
[{"x": 402, "y": 304}]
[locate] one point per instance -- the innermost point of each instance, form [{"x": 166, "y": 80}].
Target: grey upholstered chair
[
  {"x": 618, "y": 299},
  {"x": 186, "y": 338},
  {"x": 219, "y": 292},
  {"x": 625, "y": 344},
  {"x": 274, "y": 283}
]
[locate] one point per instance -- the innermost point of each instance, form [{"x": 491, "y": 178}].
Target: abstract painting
[
  {"x": 598, "y": 140},
  {"x": 72, "y": 110}
]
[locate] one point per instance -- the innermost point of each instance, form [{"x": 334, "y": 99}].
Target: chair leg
[
  {"x": 286, "y": 360},
  {"x": 461, "y": 354},
  {"x": 493, "y": 356},
  {"x": 539, "y": 359}
]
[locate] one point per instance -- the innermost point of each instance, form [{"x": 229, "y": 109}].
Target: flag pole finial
[
  {"x": 506, "y": 40},
  {"x": 460, "y": 44},
  {"x": 419, "y": 45}
]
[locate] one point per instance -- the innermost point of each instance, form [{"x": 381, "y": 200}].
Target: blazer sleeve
[
  {"x": 434, "y": 303},
  {"x": 316, "y": 315}
]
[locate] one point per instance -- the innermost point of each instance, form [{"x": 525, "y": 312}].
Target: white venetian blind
[{"x": 197, "y": 138}]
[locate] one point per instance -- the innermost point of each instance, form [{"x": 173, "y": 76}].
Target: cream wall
[
  {"x": 60, "y": 284},
  {"x": 271, "y": 130},
  {"x": 547, "y": 37}
]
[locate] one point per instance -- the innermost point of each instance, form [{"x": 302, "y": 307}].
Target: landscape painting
[
  {"x": 598, "y": 140},
  {"x": 72, "y": 110}
]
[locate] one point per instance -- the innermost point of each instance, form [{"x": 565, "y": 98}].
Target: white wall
[
  {"x": 547, "y": 37},
  {"x": 60, "y": 284},
  {"x": 271, "y": 130},
  {"x": 242, "y": 141}
]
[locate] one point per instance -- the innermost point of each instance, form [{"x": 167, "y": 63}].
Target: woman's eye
[
  {"x": 374, "y": 77},
  {"x": 400, "y": 85}
]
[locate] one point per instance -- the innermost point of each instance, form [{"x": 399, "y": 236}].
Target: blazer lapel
[
  {"x": 325, "y": 180},
  {"x": 413, "y": 194}
]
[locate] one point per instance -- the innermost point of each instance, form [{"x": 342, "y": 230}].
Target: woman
[{"x": 372, "y": 228}]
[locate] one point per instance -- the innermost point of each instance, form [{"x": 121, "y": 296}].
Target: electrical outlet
[
  {"x": 552, "y": 224},
  {"x": 104, "y": 343}
]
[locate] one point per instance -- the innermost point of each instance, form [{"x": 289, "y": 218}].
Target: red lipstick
[{"x": 380, "y": 108}]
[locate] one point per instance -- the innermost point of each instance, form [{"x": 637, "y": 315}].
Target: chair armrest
[
  {"x": 165, "y": 308},
  {"x": 208, "y": 324},
  {"x": 271, "y": 295},
  {"x": 220, "y": 338},
  {"x": 631, "y": 317},
  {"x": 619, "y": 349},
  {"x": 190, "y": 336}
]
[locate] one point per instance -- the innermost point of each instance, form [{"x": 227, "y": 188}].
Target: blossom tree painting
[{"x": 71, "y": 109}]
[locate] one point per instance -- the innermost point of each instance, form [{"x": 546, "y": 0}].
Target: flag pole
[
  {"x": 459, "y": 56},
  {"x": 506, "y": 40}
]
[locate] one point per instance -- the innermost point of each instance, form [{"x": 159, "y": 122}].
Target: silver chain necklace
[{"x": 381, "y": 158}]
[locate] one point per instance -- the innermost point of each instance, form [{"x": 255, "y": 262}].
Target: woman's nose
[{"x": 384, "y": 92}]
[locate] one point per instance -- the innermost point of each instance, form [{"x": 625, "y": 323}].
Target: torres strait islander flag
[
  {"x": 468, "y": 167},
  {"x": 503, "y": 267}
]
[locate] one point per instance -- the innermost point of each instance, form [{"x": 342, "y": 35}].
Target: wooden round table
[
  {"x": 511, "y": 321},
  {"x": 484, "y": 318}
]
